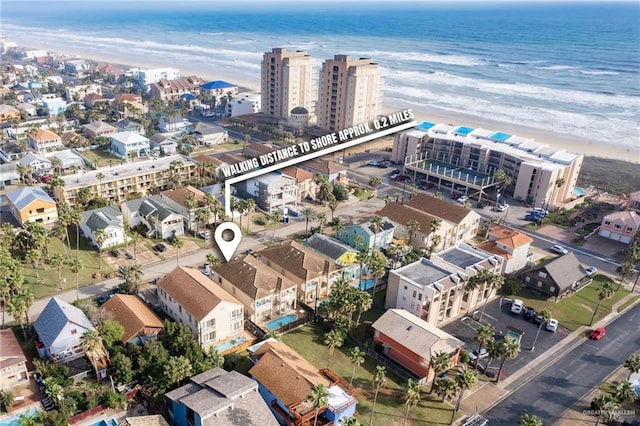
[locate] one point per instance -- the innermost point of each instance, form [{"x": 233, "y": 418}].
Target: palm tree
[
  {"x": 202, "y": 216},
  {"x": 60, "y": 232},
  {"x": 319, "y": 398},
  {"x": 333, "y": 340},
  {"x": 530, "y": 420},
  {"x": 386, "y": 199},
  {"x": 494, "y": 351},
  {"x": 605, "y": 291},
  {"x": 445, "y": 388},
  {"x": 350, "y": 421},
  {"x": 546, "y": 316},
  {"x": 76, "y": 266},
  {"x": 99, "y": 236},
  {"x": 489, "y": 280},
  {"x": 75, "y": 218},
  {"x": 363, "y": 302},
  {"x": 626, "y": 269},
  {"x": 438, "y": 195},
  {"x": 308, "y": 214},
  {"x": 333, "y": 206},
  {"x": 376, "y": 226},
  {"x": 483, "y": 335},
  {"x": 250, "y": 207},
  {"x": 33, "y": 256},
  {"x": 379, "y": 380},
  {"x": 57, "y": 261},
  {"x": 623, "y": 392},
  {"x": 190, "y": 203},
  {"x": 275, "y": 217},
  {"x": 93, "y": 346},
  {"x": 357, "y": 358},
  {"x": 411, "y": 398},
  {"x": 632, "y": 364},
  {"x": 212, "y": 259},
  {"x": 465, "y": 379},
  {"x": 440, "y": 362},
  {"x": 322, "y": 219},
  {"x": 510, "y": 349},
  {"x": 412, "y": 226},
  {"x": 153, "y": 221},
  {"x": 338, "y": 227},
  {"x": 178, "y": 244},
  {"x": 245, "y": 140},
  {"x": 559, "y": 183},
  {"x": 18, "y": 309}
]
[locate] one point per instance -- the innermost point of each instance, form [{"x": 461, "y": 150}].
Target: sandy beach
[{"x": 570, "y": 143}]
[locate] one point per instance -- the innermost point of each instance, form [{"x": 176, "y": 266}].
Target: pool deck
[
  {"x": 250, "y": 340},
  {"x": 298, "y": 312}
]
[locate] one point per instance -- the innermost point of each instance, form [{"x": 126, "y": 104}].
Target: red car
[{"x": 598, "y": 333}]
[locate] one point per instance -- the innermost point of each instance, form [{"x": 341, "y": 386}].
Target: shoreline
[{"x": 568, "y": 143}]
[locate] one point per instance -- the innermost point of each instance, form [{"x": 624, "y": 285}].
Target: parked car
[
  {"x": 559, "y": 249},
  {"x": 160, "y": 248},
  {"x": 384, "y": 164},
  {"x": 529, "y": 313},
  {"x": 475, "y": 355},
  {"x": 590, "y": 271},
  {"x": 598, "y": 333},
  {"x": 539, "y": 211},
  {"x": 462, "y": 199},
  {"x": 538, "y": 319},
  {"x": 204, "y": 235},
  {"x": 374, "y": 163},
  {"x": 115, "y": 253},
  {"x": 532, "y": 217},
  {"x": 170, "y": 239},
  {"x": 394, "y": 176},
  {"x": 502, "y": 208},
  {"x": 127, "y": 255},
  {"x": 552, "y": 325},
  {"x": 516, "y": 306}
]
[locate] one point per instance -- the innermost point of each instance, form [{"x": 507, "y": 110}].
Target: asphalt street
[{"x": 563, "y": 384}]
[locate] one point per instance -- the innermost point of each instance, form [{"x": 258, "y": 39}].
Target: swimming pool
[
  {"x": 109, "y": 422},
  {"x": 280, "y": 322},
  {"x": 230, "y": 344},
  {"x": 367, "y": 284},
  {"x": 15, "y": 419},
  {"x": 577, "y": 191}
]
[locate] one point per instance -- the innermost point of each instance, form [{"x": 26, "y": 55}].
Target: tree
[
  {"x": 99, "y": 236},
  {"x": 503, "y": 178},
  {"x": 530, "y": 420},
  {"x": 250, "y": 207},
  {"x": 333, "y": 340},
  {"x": 190, "y": 203},
  {"x": 111, "y": 332},
  {"x": 546, "y": 316},
  {"x": 494, "y": 351},
  {"x": 465, "y": 379},
  {"x": 376, "y": 225},
  {"x": 623, "y": 391},
  {"x": 375, "y": 182},
  {"x": 177, "y": 369},
  {"x": 246, "y": 138},
  {"x": 275, "y": 217},
  {"x": 350, "y": 421},
  {"x": 412, "y": 397},
  {"x": 362, "y": 302},
  {"x": 379, "y": 380},
  {"x": 212, "y": 259},
  {"x": 333, "y": 206},
  {"x": 309, "y": 214},
  {"x": 412, "y": 226},
  {"x": 33, "y": 256},
  {"x": 76, "y": 266},
  {"x": 489, "y": 280},
  {"x": 445, "y": 388},
  {"x": 605, "y": 292},
  {"x": 93, "y": 346},
  {"x": 7, "y": 398},
  {"x": 122, "y": 368},
  {"x": 338, "y": 227},
  {"x": 632, "y": 364},
  {"x": 178, "y": 244},
  {"x": 319, "y": 398},
  {"x": 483, "y": 335},
  {"x": 509, "y": 350},
  {"x": 440, "y": 362},
  {"x": 357, "y": 358},
  {"x": 57, "y": 261},
  {"x": 626, "y": 269}
]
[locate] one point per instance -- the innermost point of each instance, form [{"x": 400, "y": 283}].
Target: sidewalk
[{"x": 487, "y": 395}]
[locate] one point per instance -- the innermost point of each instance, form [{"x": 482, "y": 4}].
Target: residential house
[
  {"x": 334, "y": 172},
  {"x": 67, "y": 159},
  {"x": 285, "y": 382},
  {"x": 435, "y": 289},
  {"x": 127, "y": 125},
  {"x": 77, "y": 67},
  {"x": 428, "y": 226},
  {"x": 36, "y": 162},
  {"x": 13, "y": 361},
  {"x": 44, "y": 140},
  {"x": 218, "y": 398},
  {"x": 177, "y": 199},
  {"x": 10, "y": 152},
  {"x": 8, "y": 113},
  {"x": 145, "y": 77},
  {"x": 152, "y": 420},
  {"x": 29, "y": 110},
  {"x": 98, "y": 128},
  {"x": 212, "y": 314},
  {"x": 173, "y": 89},
  {"x": 620, "y": 226},
  {"x": 129, "y": 143},
  {"x": 556, "y": 277},
  {"x": 511, "y": 245},
  {"x": 76, "y": 93},
  {"x": 370, "y": 237},
  {"x": 32, "y": 204},
  {"x": 74, "y": 140},
  {"x": 633, "y": 203},
  {"x": 163, "y": 144},
  {"x": 129, "y": 105},
  {"x": 248, "y": 103},
  {"x": 465, "y": 222},
  {"x": 208, "y": 134},
  {"x": 107, "y": 219},
  {"x": 139, "y": 322},
  {"x": 413, "y": 342},
  {"x": 265, "y": 293},
  {"x": 157, "y": 215},
  {"x": 271, "y": 191},
  {"x": 215, "y": 90},
  {"x": 92, "y": 99},
  {"x": 52, "y": 105},
  {"x": 174, "y": 123},
  {"x": 307, "y": 187},
  {"x": 59, "y": 328},
  {"x": 340, "y": 253},
  {"x": 313, "y": 274},
  {"x": 256, "y": 150}
]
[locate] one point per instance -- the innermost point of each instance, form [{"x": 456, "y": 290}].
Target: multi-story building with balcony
[
  {"x": 350, "y": 92},
  {"x": 273, "y": 191},
  {"x": 126, "y": 181}
]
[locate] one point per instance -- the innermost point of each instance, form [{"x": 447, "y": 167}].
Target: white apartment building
[
  {"x": 246, "y": 104},
  {"x": 146, "y": 77},
  {"x": 541, "y": 175},
  {"x": 350, "y": 92},
  {"x": 77, "y": 93},
  {"x": 288, "y": 81}
]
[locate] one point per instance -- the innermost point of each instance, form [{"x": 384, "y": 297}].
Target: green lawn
[
  {"x": 628, "y": 303},
  {"x": 104, "y": 158},
  {"x": 576, "y": 309},
  {"x": 308, "y": 341}
]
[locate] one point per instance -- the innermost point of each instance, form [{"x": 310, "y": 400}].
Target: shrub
[
  {"x": 261, "y": 220},
  {"x": 340, "y": 192},
  {"x": 113, "y": 399},
  {"x": 511, "y": 287},
  {"x": 7, "y": 398}
]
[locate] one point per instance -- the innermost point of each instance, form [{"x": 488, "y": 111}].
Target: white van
[{"x": 516, "y": 306}]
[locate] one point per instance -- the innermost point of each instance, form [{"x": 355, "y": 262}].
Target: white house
[
  {"x": 172, "y": 124},
  {"x": 247, "y": 104},
  {"x": 124, "y": 143},
  {"x": 164, "y": 144},
  {"x": 36, "y": 162},
  {"x": 271, "y": 191},
  {"x": 44, "y": 140},
  {"x": 511, "y": 245},
  {"x": 108, "y": 219},
  {"x": 155, "y": 214},
  {"x": 212, "y": 314}
]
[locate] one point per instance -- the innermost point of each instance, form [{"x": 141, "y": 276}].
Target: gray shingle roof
[
  {"x": 55, "y": 317},
  {"x": 328, "y": 246},
  {"x": 103, "y": 217},
  {"x": 30, "y": 158},
  {"x": 22, "y": 197},
  {"x": 565, "y": 270}
]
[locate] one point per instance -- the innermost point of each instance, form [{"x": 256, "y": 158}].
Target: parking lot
[{"x": 499, "y": 316}]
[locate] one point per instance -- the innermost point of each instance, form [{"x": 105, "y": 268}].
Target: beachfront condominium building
[
  {"x": 127, "y": 181},
  {"x": 350, "y": 92},
  {"x": 465, "y": 157},
  {"x": 146, "y": 77},
  {"x": 288, "y": 81}
]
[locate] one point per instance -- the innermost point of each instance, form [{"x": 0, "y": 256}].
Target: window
[
  {"x": 210, "y": 323},
  {"x": 542, "y": 274},
  {"x": 210, "y": 336},
  {"x": 527, "y": 279},
  {"x": 629, "y": 229},
  {"x": 74, "y": 331},
  {"x": 419, "y": 296},
  {"x": 617, "y": 226},
  {"x": 415, "y": 293},
  {"x": 236, "y": 326},
  {"x": 607, "y": 222},
  {"x": 552, "y": 289},
  {"x": 539, "y": 284}
]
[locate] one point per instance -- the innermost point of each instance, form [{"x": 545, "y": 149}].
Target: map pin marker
[{"x": 227, "y": 247}]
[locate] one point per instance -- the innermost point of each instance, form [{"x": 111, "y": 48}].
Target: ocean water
[{"x": 572, "y": 68}]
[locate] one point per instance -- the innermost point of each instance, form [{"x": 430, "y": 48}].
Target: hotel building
[
  {"x": 462, "y": 156},
  {"x": 288, "y": 81},
  {"x": 119, "y": 183},
  {"x": 350, "y": 92}
]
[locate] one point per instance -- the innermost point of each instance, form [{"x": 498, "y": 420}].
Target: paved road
[{"x": 563, "y": 384}]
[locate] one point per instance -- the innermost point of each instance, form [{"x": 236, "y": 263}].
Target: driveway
[
  {"x": 604, "y": 246},
  {"x": 497, "y": 314}
]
